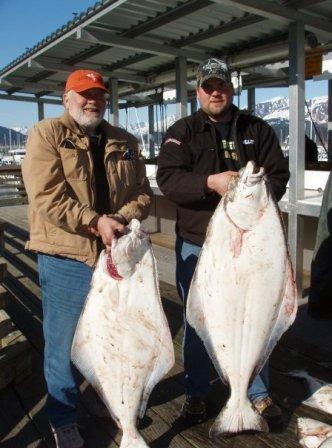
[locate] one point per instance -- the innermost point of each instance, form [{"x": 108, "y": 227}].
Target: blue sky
[{"x": 26, "y": 22}]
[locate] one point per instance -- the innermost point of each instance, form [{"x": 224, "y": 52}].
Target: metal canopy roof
[{"x": 138, "y": 41}]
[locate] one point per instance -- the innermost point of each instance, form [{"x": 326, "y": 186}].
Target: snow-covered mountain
[
  {"x": 276, "y": 113},
  {"x": 23, "y": 130},
  {"x": 278, "y": 109},
  {"x": 277, "y": 106}
]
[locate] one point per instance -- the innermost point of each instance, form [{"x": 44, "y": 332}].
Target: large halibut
[
  {"x": 243, "y": 296},
  {"x": 314, "y": 434},
  {"x": 122, "y": 344}
]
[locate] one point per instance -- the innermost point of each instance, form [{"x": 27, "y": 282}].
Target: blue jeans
[
  {"x": 196, "y": 360},
  {"x": 65, "y": 284}
]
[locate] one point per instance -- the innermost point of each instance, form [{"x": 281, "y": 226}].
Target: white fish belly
[
  {"x": 123, "y": 344},
  {"x": 242, "y": 297},
  {"x": 313, "y": 433}
]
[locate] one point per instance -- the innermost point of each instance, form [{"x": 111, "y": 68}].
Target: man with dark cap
[
  {"x": 198, "y": 157},
  {"x": 85, "y": 181}
]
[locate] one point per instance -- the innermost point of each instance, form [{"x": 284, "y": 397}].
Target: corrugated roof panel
[
  {"x": 199, "y": 26},
  {"x": 151, "y": 64},
  {"x": 111, "y": 55},
  {"x": 236, "y": 37},
  {"x": 322, "y": 8}
]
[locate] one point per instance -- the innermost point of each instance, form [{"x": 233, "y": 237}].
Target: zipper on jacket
[
  {"x": 93, "y": 198},
  {"x": 235, "y": 139},
  {"x": 111, "y": 192}
]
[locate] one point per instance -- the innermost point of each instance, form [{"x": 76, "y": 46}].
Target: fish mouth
[
  {"x": 111, "y": 267},
  {"x": 255, "y": 169}
]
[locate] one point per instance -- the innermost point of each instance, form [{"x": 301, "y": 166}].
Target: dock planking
[{"x": 25, "y": 425}]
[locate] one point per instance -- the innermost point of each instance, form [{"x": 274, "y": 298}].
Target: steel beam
[
  {"x": 181, "y": 10},
  {"x": 56, "y": 65},
  {"x": 181, "y": 87},
  {"x": 28, "y": 99},
  {"x": 106, "y": 38},
  {"x": 114, "y": 4},
  {"x": 114, "y": 102},
  {"x": 296, "y": 147},
  {"x": 251, "y": 100},
  {"x": 41, "y": 113},
  {"x": 151, "y": 131},
  {"x": 266, "y": 71},
  {"x": 279, "y": 13},
  {"x": 301, "y": 4},
  {"x": 51, "y": 86},
  {"x": 329, "y": 123}
]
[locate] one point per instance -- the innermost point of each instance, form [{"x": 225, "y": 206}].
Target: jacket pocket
[
  {"x": 74, "y": 163},
  {"x": 127, "y": 171}
]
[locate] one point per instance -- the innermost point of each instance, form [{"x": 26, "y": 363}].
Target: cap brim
[
  {"x": 215, "y": 76},
  {"x": 84, "y": 88}
]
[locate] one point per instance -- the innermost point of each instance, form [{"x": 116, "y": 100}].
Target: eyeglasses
[{"x": 210, "y": 87}]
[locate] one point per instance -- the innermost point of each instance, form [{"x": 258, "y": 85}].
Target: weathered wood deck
[{"x": 23, "y": 424}]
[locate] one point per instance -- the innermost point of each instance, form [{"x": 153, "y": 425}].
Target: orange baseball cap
[{"x": 81, "y": 80}]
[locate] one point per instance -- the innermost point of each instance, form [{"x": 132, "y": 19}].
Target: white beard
[{"x": 89, "y": 123}]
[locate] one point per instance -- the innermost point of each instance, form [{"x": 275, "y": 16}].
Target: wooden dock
[{"x": 23, "y": 424}]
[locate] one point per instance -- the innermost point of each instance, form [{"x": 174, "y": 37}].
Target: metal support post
[
  {"x": 151, "y": 131},
  {"x": 41, "y": 114},
  {"x": 251, "y": 100},
  {"x": 296, "y": 146},
  {"x": 181, "y": 87},
  {"x": 114, "y": 102},
  {"x": 329, "y": 122}
]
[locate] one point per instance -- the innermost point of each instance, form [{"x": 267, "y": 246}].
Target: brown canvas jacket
[{"x": 59, "y": 180}]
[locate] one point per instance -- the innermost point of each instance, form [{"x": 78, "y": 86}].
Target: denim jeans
[
  {"x": 196, "y": 359},
  {"x": 65, "y": 284}
]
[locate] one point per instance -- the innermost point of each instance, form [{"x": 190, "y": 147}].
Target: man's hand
[
  {"x": 109, "y": 228},
  {"x": 219, "y": 182}
]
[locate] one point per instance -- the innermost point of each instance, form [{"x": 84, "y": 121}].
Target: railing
[{"x": 12, "y": 190}]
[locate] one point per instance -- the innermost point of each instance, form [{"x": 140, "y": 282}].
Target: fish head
[
  {"x": 247, "y": 197},
  {"x": 126, "y": 252},
  {"x": 312, "y": 433}
]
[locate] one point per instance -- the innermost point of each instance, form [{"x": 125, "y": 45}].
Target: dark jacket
[{"x": 189, "y": 154}]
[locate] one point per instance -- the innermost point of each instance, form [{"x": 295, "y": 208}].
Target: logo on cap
[
  {"x": 81, "y": 80},
  {"x": 213, "y": 68},
  {"x": 93, "y": 77}
]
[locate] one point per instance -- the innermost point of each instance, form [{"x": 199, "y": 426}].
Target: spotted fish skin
[
  {"x": 243, "y": 296},
  {"x": 122, "y": 345}
]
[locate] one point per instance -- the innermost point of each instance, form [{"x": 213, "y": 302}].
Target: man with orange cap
[{"x": 85, "y": 181}]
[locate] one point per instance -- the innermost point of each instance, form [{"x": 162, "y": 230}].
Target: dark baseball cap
[{"x": 213, "y": 68}]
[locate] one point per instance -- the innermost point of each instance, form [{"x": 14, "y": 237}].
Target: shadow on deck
[{"x": 22, "y": 421}]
